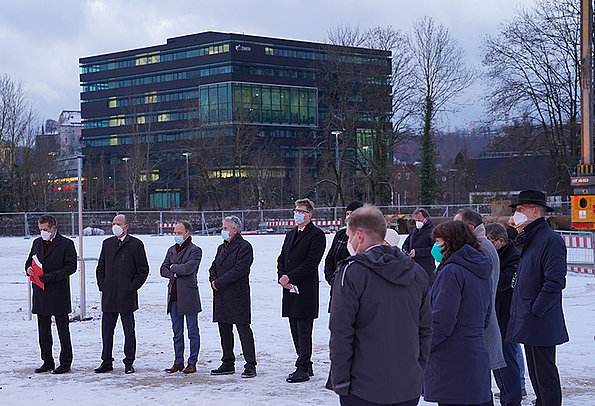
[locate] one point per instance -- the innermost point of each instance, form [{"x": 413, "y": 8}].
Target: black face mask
[{"x": 512, "y": 233}]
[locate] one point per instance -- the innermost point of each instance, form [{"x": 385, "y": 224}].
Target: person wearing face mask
[
  {"x": 58, "y": 259},
  {"x": 297, "y": 273},
  {"x": 536, "y": 316},
  {"x": 419, "y": 242},
  {"x": 230, "y": 280},
  {"x": 338, "y": 250},
  {"x": 380, "y": 321},
  {"x": 508, "y": 378},
  {"x": 121, "y": 271},
  {"x": 458, "y": 369},
  {"x": 180, "y": 267}
]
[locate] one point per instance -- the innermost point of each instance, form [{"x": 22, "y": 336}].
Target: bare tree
[
  {"x": 440, "y": 75},
  {"x": 534, "y": 67}
]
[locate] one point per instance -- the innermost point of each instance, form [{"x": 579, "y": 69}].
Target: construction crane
[{"x": 583, "y": 200}]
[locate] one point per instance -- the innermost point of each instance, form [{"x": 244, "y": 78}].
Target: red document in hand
[{"x": 37, "y": 272}]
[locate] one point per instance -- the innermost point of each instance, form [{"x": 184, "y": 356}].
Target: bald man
[{"x": 121, "y": 271}]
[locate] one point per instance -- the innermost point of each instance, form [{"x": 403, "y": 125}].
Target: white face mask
[
  {"x": 117, "y": 230},
  {"x": 46, "y": 235},
  {"x": 419, "y": 224},
  {"x": 299, "y": 218},
  {"x": 352, "y": 250},
  {"x": 519, "y": 218}
]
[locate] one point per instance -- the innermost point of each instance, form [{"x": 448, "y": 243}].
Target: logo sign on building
[{"x": 243, "y": 48}]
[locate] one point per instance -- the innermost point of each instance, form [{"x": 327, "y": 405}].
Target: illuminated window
[
  {"x": 113, "y": 140},
  {"x": 269, "y": 51},
  {"x": 116, "y": 121},
  {"x": 112, "y": 102},
  {"x": 140, "y": 120},
  {"x": 151, "y": 98},
  {"x": 163, "y": 117}
]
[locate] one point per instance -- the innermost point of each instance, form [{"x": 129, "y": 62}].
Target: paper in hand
[
  {"x": 294, "y": 289},
  {"x": 37, "y": 267}
]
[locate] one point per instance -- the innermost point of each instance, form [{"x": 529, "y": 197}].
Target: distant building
[
  {"x": 70, "y": 132},
  {"x": 144, "y": 109}
]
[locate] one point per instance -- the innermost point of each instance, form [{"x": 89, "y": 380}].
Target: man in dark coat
[
  {"x": 297, "y": 272},
  {"x": 419, "y": 242},
  {"x": 338, "y": 250},
  {"x": 121, "y": 271},
  {"x": 58, "y": 259},
  {"x": 509, "y": 377},
  {"x": 230, "y": 279},
  {"x": 374, "y": 361},
  {"x": 180, "y": 267},
  {"x": 536, "y": 316}
]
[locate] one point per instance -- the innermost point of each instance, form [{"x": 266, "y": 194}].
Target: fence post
[
  {"x": 160, "y": 231},
  {"x": 203, "y": 223},
  {"x": 243, "y": 222},
  {"x": 27, "y": 235},
  {"x": 72, "y": 224}
]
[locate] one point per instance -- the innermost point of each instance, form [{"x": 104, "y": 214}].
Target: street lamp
[
  {"x": 187, "y": 155},
  {"x": 126, "y": 159},
  {"x": 336, "y": 133}
]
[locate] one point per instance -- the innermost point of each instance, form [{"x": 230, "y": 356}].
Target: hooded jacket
[
  {"x": 380, "y": 326},
  {"x": 458, "y": 369}
]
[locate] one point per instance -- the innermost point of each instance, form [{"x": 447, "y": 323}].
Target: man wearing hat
[{"x": 536, "y": 317}]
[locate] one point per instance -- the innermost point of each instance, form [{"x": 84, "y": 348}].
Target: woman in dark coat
[{"x": 458, "y": 369}]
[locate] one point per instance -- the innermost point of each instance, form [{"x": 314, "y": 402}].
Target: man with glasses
[{"x": 297, "y": 270}]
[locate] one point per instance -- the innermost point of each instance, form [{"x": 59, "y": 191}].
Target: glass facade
[{"x": 235, "y": 102}]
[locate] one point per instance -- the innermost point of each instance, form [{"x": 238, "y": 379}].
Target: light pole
[
  {"x": 126, "y": 159},
  {"x": 187, "y": 155},
  {"x": 365, "y": 148},
  {"x": 336, "y": 133}
]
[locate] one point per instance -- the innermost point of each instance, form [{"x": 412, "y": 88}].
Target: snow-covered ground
[{"x": 19, "y": 351}]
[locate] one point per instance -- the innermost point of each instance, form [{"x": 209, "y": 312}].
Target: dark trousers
[
  {"x": 246, "y": 339},
  {"x": 301, "y": 332},
  {"x": 352, "y": 400},
  {"x": 490, "y": 403},
  {"x": 541, "y": 363},
  {"x": 108, "y": 325},
  {"x": 44, "y": 328},
  {"x": 508, "y": 378},
  {"x": 177, "y": 324}
]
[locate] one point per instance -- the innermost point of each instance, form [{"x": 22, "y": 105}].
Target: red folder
[{"x": 37, "y": 272}]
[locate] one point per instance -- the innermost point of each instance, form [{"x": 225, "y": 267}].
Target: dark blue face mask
[{"x": 437, "y": 252}]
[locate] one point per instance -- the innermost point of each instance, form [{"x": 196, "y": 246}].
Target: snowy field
[{"x": 19, "y": 350}]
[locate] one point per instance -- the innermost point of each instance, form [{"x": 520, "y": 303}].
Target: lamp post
[
  {"x": 187, "y": 155},
  {"x": 126, "y": 159},
  {"x": 365, "y": 148},
  {"x": 336, "y": 133}
]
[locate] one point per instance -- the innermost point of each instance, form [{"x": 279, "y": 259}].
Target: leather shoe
[
  {"x": 44, "y": 368},
  {"x": 129, "y": 369},
  {"x": 190, "y": 368},
  {"x": 298, "y": 376},
  {"x": 105, "y": 366},
  {"x": 174, "y": 368},
  {"x": 224, "y": 370},
  {"x": 249, "y": 371},
  {"x": 310, "y": 371},
  {"x": 62, "y": 369}
]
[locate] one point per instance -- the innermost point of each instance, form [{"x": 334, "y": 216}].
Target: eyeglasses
[{"x": 301, "y": 211}]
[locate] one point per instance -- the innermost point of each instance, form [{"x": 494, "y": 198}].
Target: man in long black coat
[
  {"x": 58, "y": 259},
  {"x": 297, "y": 270},
  {"x": 419, "y": 242},
  {"x": 121, "y": 271},
  {"x": 230, "y": 279}
]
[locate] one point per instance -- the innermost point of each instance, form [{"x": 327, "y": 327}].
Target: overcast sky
[{"x": 41, "y": 41}]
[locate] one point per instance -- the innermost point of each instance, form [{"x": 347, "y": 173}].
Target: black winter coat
[
  {"x": 299, "y": 260},
  {"x": 509, "y": 262},
  {"x": 230, "y": 271},
  {"x": 536, "y": 315},
  {"x": 336, "y": 253},
  {"x": 121, "y": 271},
  {"x": 381, "y": 327},
  {"x": 59, "y": 262},
  {"x": 421, "y": 241}
]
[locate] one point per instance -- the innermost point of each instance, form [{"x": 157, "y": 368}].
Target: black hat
[
  {"x": 532, "y": 197},
  {"x": 353, "y": 206}
]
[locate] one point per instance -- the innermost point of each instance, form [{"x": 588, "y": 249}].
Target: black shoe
[
  {"x": 310, "y": 371},
  {"x": 298, "y": 376},
  {"x": 129, "y": 369},
  {"x": 249, "y": 371},
  {"x": 224, "y": 370},
  {"x": 105, "y": 366},
  {"x": 44, "y": 368},
  {"x": 62, "y": 369}
]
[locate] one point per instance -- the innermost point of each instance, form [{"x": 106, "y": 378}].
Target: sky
[{"x": 41, "y": 41}]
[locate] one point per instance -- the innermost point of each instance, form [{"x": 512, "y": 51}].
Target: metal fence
[{"x": 203, "y": 222}]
